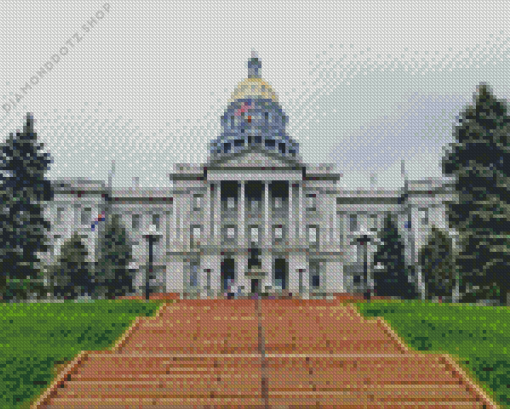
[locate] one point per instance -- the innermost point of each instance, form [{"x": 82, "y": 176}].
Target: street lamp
[
  {"x": 300, "y": 271},
  {"x": 362, "y": 239},
  {"x": 208, "y": 286},
  {"x": 152, "y": 235}
]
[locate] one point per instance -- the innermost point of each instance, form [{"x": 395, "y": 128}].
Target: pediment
[{"x": 254, "y": 158}]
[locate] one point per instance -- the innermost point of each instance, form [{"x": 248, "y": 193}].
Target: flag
[
  {"x": 243, "y": 109},
  {"x": 100, "y": 218}
]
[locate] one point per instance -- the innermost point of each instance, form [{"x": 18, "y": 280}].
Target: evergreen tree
[
  {"x": 71, "y": 275},
  {"x": 437, "y": 261},
  {"x": 392, "y": 279},
  {"x": 113, "y": 277},
  {"x": 23, "y": 191},
  {"x": 480, "y": 212}
]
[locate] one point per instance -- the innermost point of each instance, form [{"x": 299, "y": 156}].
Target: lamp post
[
  {"x": 300, "y": 273},
  {"x": 362, "y": 239},
  {"x": 152, "y": 235},
  {"x": 208, "y": 284}
]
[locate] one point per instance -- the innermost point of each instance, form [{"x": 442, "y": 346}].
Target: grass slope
[
  {"x": 476, "y": 336},
  {"x": 37, "y": 337}
]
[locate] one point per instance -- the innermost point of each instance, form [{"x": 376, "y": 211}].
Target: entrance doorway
[
  {"x": 255, "y": 286},
  {"x": 227, "y": 273},
  {"x": 281, "y": 276}
]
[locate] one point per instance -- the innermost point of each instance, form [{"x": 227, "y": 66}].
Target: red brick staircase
[{"x": 269, "y": 353}]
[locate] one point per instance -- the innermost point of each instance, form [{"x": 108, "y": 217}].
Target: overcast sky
[{"x": 364, "y": 83}]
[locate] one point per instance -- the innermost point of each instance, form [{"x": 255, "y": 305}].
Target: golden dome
[{"x": 253, "y": 88}]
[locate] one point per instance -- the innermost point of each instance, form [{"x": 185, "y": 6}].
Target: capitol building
[{"x": 255, "y": 216}]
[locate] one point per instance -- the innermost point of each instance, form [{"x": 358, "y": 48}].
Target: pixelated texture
[
  {"x": 364, "y": 86},
  {"x": 264, "y": 353}
]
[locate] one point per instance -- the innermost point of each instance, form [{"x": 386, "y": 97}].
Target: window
[
  {"x": 254, "y": 233},
  {"x": 281, "y": 147},
  {"x": 311, "y": 202},
  {"x": 193, "y": 281},
  {"x": 231, "y": 232},
  {"x": 60, "y": 215},
  {"x": 353, "y": 222},
  {"x": 226, "y": 147},
  {"x": 86, "y": 215},
  {"x": 254, "y": 205},
  {"x": 424, "y": 216},
  {"x": 135, "y": 221},
  {"x": 195, "y": 235},
  {"x": 197, "y": 201},
  {"x": 312, "y": 235},
  {"x": 278, "y": 202},
  {"x": 57, "y": 246},
  {"x": 230, "y": 203},
  {"x": 155, "y": 220},
  {"x": 270, "y": 143},
  {"x": 278, "y": 232},
  {"x": 372, "y": 222}
]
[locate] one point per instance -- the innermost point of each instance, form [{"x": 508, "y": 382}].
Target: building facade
[{"x": 255, "y": 215}]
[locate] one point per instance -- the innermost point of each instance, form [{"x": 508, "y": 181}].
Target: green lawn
[
  {"x": 476, "y": 336},
  {"x": 35, "y": 337}
]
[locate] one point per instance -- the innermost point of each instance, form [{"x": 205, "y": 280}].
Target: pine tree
[
  {"x": 437, "y": 261},
  {"x": 71, "y": 275},
  {"x": 480, "y": 212},
  {"x": 23, "y": 191},
  {"x": 113, "y": 277},
  {"x": 392, "y": 279}
]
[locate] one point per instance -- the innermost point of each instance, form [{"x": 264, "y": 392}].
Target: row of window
[
  {"x": 270, "y": 143},
  {"x": 314, "y": 275},
  {"x": 229, "y": 233},
  {"x": 372, "y": 220},
  {"x": 252, "y": 118},
  {"x": 86, "y": 214},
  {"x": 86, "y": 218}
]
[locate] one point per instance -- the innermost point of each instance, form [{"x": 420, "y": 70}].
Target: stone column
[
  {"x": 173, "y": 227},
  {"x": 342, "y": 228},
  {"x": 185, "y": 221},
  {"x": 217, "y": 213},
  {"x": 336, "y": 240},
  {"x": 167, "y": 231},
  {"x": 291, "y": 219},
  {"x": 207, "y": 215},
  {"x": 331, "y": 228},
  {"x": 267, "y": 231},
  {"x": 241, "y": 218},
  {"x": 306, "y": 282},
  {"x": 301, "y": 211}
]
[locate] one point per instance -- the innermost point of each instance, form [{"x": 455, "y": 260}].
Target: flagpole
[{"x": 107, "y": 208}]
